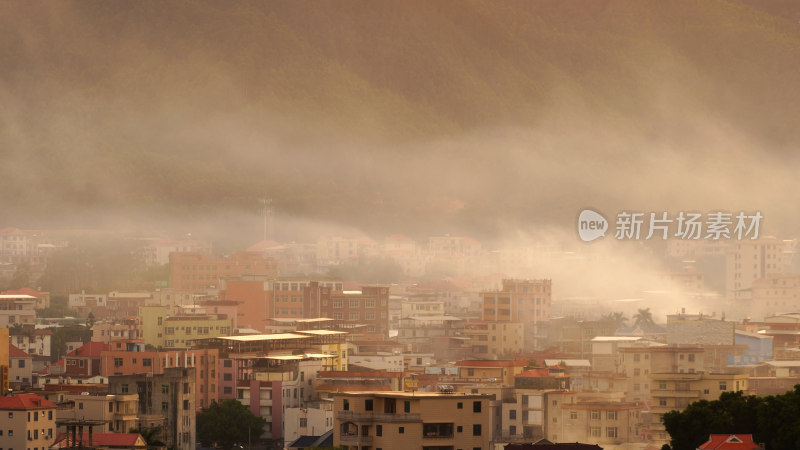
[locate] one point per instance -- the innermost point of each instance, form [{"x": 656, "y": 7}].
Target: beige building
[
  {"x": 118, "y": 410},
  {"x": 17, "y": 309},
  {"x": 675, "y": 391},
  {"x": 640, "y": 361},
  {"x": 495, "y": 340},
  {"x": 405, "y": 420},
  {"x": 746, "y": 261},
  {"x": 28, "y": 422},
  {"x": 574, "y": 417}
]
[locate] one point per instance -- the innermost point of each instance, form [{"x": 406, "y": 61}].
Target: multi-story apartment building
[
  {"x": 523, "y": 301},
  {"x": 270, "y": 388},
  {"x": 675, "y": 391},
  {"x": 203, "y": 361},
  {"x": 773, "y": 294},
  {"x": 749, "y": 260},
  {"x": 20, "y": 368},
  {"x": 28, "y": 422},
  {"x": 17, "y": 309},
  {"x": 403, "y": 420},
  {"x": 118, "y": 413},
  {"x": 34, "y": 341},
  {"x": 112, "y": 330},
  {"x": 163, "y": 331},
  {"x": 198, "y": 272},
  {"x": 84, "y": 303},
  {"x": 570, "y": 417},
  {"x": 42, "y": 298},
  {"x": 170, "y": 395},
  {"x": 84, "y": 362},
  {"x": 157, "y": 251},
  {"x": 501, "y": 372},
  {"x": 639, "y": 361},
  {"x": 495, "y": 340},
  {"x": 367, "y": 308}
]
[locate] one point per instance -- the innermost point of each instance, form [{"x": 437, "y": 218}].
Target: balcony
[
  {"x": 355, "y": 439},
  {"x": 378, "y": 417},
  {"x": 675, "y": 393}
]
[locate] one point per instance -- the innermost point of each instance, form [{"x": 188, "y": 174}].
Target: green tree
[
  {"x": 227, "y": 424},
  {"x": 772, "y": 420}
]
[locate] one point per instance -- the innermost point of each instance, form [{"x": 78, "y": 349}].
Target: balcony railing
[
  {"x": 378, "y": 417},
  {"x": 354, "y": 439}
]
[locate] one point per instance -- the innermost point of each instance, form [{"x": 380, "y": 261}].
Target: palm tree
[
  {"x": 617, "y": 318},
  {"x": 643, "y": 317}
]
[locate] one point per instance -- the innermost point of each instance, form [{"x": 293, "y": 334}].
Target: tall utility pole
[{"x": 267, "y": 212}]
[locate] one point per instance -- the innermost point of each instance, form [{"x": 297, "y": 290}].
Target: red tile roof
[
  {"x": 730, "y": 442},
  {"x": 91, "y": 349},
  {"x": 126, "y": 440},
  {"x": 24, "y": 401},
  {"x": 15, "y": 352}
]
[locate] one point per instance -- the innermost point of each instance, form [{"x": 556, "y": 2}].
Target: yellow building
[
  {"x": 404, "y": 420},
  {"x": 675, "y": 391},
  {"x": 495, "y": 340},
  {"x": 163, "y": 331},
  {"x": 501, "y": 372}
]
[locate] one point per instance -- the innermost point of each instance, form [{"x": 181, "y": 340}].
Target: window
[
  {"x": 401, "y": 430},
  {"x": 691, "y": 358},
  {"x": 662, "y": 385},
  {"x": 594, "y": 431},
  {"x": 227, "y": 363},
  {"x": 354, "y": 303},
  {"x": 303, "y": 422},
  {"x": 636, "y": 372},
  {"x": 460, "y": 405},
  {"x": 512, "y": 413},
  {"x": 459, "y": 428},
  {"x": 378, "y": 430},
  {"x": 476, "y": 429},
  {"x": 117, "y": 362},
  {"x": 165, "y": 406},
  {"x": 611, "y": 432},
  {"x": 406, "y": 407},
  {"x": 123, "y": 388},
  {"x": 611, "y": 415},
  {"x": 368, "y": 404},
  {"x": 165, "y": 389},
  {"x": 346, "y": 405},
  {"x": 354, "y": 315},
  {"x": 147, "y": 362},
  {"x": 594, "y": 415},
  {"x": 573, "y": 414},
  {"x": 512, "y": 430},
  {"x": 227, "y": 377},
  {"x": 636, "y": 357},
  {"x": 22, "y": 363},
  {"x": 476, "y": 406}
]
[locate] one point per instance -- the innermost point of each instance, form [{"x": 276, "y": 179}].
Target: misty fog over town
[{"x": 435, "y": 225}]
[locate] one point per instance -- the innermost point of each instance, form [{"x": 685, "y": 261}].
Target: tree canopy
[
  {"x": 772, "y": 420},
  {"x": 228, "y": 423}
]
